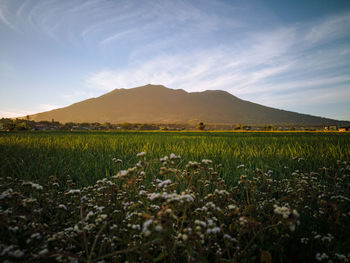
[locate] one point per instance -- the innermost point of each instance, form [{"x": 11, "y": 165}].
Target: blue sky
[{"x": 292, "y": 55}]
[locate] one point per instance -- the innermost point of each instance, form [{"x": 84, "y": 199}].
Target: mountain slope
[{"x": 158, "y": 104}]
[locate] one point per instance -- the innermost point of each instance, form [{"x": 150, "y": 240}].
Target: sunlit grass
[{"x": 86, "y": 157}]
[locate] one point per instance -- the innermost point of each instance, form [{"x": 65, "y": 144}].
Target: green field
[
  {"x": 87, "y": 156},
  {"x": 216, "y": 197}
]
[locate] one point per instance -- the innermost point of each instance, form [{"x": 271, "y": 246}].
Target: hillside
[{"x": 158, "y": 104}]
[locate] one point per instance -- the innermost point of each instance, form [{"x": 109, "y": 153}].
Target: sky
[{"x": 292, "y": 55}]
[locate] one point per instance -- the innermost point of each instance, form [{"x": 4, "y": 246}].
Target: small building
[
  {"x": 331, "y": 128},
  {"x": 41, "y": 127}
]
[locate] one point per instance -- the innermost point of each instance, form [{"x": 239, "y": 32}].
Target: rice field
[
  {"x": 175, "y": 196},
  {"x": 87, "y": 156}
]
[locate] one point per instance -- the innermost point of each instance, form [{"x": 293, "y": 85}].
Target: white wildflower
[
  {"x": 168, "y": 211},
  {"x": 6, "y": 194},
  {"x": 304, "y": 240},
  {"x": 146, "y": 224},
  {"x": 141, "y": 154},
  {"x": 214, "y": 230},
  {"x": 201, "y": 223},
  {"x": 232, "y": 207},
  {"x": 232, "y": 239},
  {"x": 153, "y": 196},
  {"x": 283, "y": 211},
  {"x": 121, "y": 174},
  {"x": 37, "y": 186},
  {"x": 62, "y": 206},
  {"x": 142, "y": 192},
  {"x": 13, "y": 229},
  {"x": 136, "y": 227},
  {"x": 328, "y": 238},
  {"x": 320, "y": 257},
  {"x": 210, "y": 222},
  {"x": 243, "y": 221},
  {"x": 74, "y": 191},
  {"x": 117, "y": 160},
  {"x": 291, "y": 227},
  {"x": 187, "y": 197},
  {"x": 207, "y": 162},
  {"x": 164, "y": 159},
  {"x": 35, "y": 235},
  {"x": 43, "y": 252},
  {"x": 159, "y": 228},
  {"x": 17, "y": 253},
  {"x": 164, "y": 183},
  {"x": 341, "y": 257},
  {"x": 6, "y": 250}
]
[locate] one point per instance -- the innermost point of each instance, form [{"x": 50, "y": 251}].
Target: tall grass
[
  {"x": 250, "y": 197},
  {"x": 87, "y": 156}
]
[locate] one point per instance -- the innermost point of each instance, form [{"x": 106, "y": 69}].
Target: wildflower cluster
[{"x": 184, "y": 212}]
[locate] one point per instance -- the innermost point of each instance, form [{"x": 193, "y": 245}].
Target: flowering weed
[{"x": 181, "y": 213}]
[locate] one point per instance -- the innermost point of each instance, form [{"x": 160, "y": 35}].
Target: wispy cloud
[
  {"x": 13, "y": 113},
  {"x": 318, "y": 97},
  {"x": 192, "y": 45},
  {"x": 327, "y": 30},
  {"x": 4, "y": 17},
  {"x": 101, "y": 21},
  {"x": 268, "y": 62},
  {"x": 114, "y": 37},
  {"x": 78, "y": 95}
]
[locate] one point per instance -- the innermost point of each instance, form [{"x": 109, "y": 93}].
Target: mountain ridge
[{"x": 159, "y": 104}]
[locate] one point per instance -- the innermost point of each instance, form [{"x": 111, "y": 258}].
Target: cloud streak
[
  {"x": 195, "y": 46},
  {"x": 270, "y": 63},
  {"x": 4, "y": 19},
  {"x": 13, "y": 113}
]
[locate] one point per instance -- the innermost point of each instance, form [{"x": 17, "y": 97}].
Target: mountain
[{"x": 158, "y": 104}]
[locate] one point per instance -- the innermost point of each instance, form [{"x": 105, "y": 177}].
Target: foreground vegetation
[{"x": 89, "y": 197}]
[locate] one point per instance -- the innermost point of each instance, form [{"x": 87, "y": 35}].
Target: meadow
[
  {"x": 87, "y": 156},
  {"x": 175, "y": 196}
]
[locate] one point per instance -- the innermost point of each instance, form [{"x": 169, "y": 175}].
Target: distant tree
[
  {"x": 126, "y": 126},
  {"x": 270, "y": 128},
  {"x": 9, "y": 126},
  {"x": 107, "y": 125},
  {"x": 85, "y": 124},
  {"x": 201, "y": 126},
  {"x": 69, "y": 125},
  {"x": 238, "y": 126},
  {"x": 27, "y": 121},
  {"x": 21, "y": 126}
]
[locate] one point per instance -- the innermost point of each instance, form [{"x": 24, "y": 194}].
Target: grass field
[
  {"x": 175, "y": 196},
  {"x": 87, "y": 157}
]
